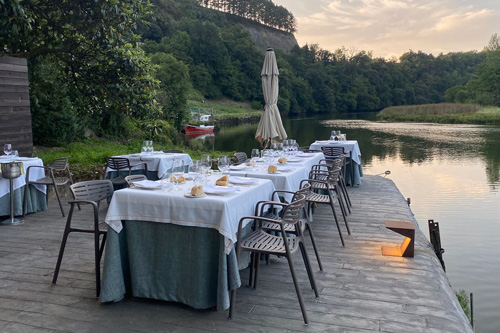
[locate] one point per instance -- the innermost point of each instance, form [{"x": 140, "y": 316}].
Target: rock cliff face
[{"x": 265, "y": 38}]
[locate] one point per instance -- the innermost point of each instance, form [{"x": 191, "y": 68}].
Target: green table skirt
[
  {"x": 357, "y": 174},
  {"x": 169, "y": 262},
  {"x": 37, "y": 201}
]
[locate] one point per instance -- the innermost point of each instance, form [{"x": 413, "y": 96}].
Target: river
[{"x": 450, "y": 172}]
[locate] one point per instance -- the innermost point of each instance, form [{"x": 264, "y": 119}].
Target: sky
[{"x": 389, "y": 28}]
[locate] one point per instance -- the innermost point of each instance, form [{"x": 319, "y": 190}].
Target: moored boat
[{"x": 198, "y": 128}]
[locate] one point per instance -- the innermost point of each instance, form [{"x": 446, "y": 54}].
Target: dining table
[
  {"x": 351, "y": 149},
  {"x": 167, "y": 245},
  {"x": 158, "y": 162},
  {"x": 37, "y": 200}
]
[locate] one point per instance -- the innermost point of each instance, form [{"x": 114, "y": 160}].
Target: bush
[{"x": 256, "y": 105}]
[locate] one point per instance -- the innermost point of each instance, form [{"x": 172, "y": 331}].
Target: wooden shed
[{"x": 15, "y": 114}]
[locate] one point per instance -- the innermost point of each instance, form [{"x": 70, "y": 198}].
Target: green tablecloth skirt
[
  {"x": 169, "y": 262},
  {"x": 37, "y": 201},
  {"x": 358, "y": 173}
]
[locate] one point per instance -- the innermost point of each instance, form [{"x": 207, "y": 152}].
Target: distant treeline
[{"x": 262, "y": 11}]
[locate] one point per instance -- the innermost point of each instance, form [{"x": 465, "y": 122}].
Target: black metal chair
[
  {"x": 54, "y": 168},
  {"x": 121, "y": 163},
  {"x": 87, "y": 193},
  {"x": 267, "y": 210},
  {"x": 329, "y": 164},
  {"x": 241, "y": 157},
  {"x": 318, "y": 184},
  {"x": 336, "y": 152},
  {"x": 262, "y": 242}
]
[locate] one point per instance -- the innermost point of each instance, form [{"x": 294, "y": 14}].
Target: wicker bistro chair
[
  {"x": 319, "y": 183},
  {"x": 267, "y": 210},
  {"x": 240, "y": 157},
  {"x": 261, "y": 242},
  {"x": 134, "y": 178},
  {"x": 58, "y": 165},
  {"x": 87, "y": 193},
  {"x": 336, "y": 152},
  {"x": 121, "y": 163}
]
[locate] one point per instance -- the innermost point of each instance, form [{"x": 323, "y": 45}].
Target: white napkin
[
  {"x": 238, "y": 167},
  {"x": 147, "y": 184},
  {"x": 212, "y": 189},
  {"x": 242, "y": 180}
]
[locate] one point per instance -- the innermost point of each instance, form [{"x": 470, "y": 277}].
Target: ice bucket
[{"x": 11, "y": 170}]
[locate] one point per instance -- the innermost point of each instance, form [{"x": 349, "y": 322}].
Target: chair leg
[
  {"x": 25, "y": 201},
  {"x": 344, "y": 187},
  {"x": 97, "y": 254},
  {"x": 257, "y": 264},
  {"x": 337, "y": 222},
  {"x": 296, "y": 284},
  {"x": 58, "y": 199},
  {"x": 67, "y": 231},
  {"x": 309, "y": 270},
  {"x": 313, "y": 242}
]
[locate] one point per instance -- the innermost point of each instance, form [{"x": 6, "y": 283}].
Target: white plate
[
  {"x": 238, "y": 167},
  {"x": 147, "y": 185},
  {"x": 189, "y": 195},
  {"x": 285, "y": 169},
  {"x": 305, "y": 155},
  {"x": 295, "y": 160},
  {"x": 219, "y": 190},
  {"x": 243, "y": 180}
]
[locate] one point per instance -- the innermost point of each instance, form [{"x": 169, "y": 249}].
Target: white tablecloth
[
  {"x": 220, "y": 212},
  {"x": 287, "y": 181},
  {"x": 35, "y": 174},
  {"x": 160, "y": 162},
  {"x": 350, "y": 146}
]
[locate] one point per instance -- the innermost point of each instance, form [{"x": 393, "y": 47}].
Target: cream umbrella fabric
[{"x": 270, "y": 126}]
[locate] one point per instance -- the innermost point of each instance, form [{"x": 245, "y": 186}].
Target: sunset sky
[{"x": 391, "y": 28}]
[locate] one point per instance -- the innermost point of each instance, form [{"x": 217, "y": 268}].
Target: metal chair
[
  {"x": 87, "y": 193},
  {"x": 261, "y": 242},
  {"x": 56, "y": 166},
  {"x": 134, "y": 178},
  {"x": 328, "y": 164},
  {"x": 318, "y": 183},
  {"x": 173, "y": 151},
  {"x": 335, "y": 152},
  {"x": 122, "y": 163},
  {"x": 241, "y": 157},
  {"x": 267, "y": 210}
]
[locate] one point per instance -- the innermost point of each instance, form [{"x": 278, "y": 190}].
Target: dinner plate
[
  {"x": 147, "y": 185},
  {"x": 243, "y": 180},
  {"x": 295, "y": 160},
  {"x": 219, "y": 190},
  {"x": 189, "y": 195},
  {"x": 238, "y": 167},
  {"x": 305, "y": 155}
]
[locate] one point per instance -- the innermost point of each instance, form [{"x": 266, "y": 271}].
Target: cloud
[{"x": 391, "y": 27}]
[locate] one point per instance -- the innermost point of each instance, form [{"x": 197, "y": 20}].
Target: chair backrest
[
  {"x": 173, "y": 151},
  {"x": 291, "y": 213},
  {"x": 59, "y": 164},
  {"x": 241, "y": 157},
  {"x": 117, "y": 163},
  {"x": 93, "y": 190},
  {"x": 134, "y": 178},
  {"x": 332, "y": 175},
  {"x": 332, "y": 152}
]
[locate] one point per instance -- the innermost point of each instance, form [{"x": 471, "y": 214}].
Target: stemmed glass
[
  {"x": 194, "y": 170},
  {"x": 165, "y": 180},
  {"x": 177, "y": 171},
  {"x": 206, "y": 164},
  {"x": 7, "y": 149},
  {"x": 255, "y": 154},
  {"x": 223, "y": 164}
]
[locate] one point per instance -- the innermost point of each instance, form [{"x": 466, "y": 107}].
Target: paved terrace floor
[{"x": 360, "y": 290}]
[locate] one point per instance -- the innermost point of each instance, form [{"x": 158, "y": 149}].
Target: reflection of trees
[{"x": 491, "y": 153}]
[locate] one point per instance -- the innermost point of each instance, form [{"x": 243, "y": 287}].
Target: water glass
[
  {"x": 223, "y": 164},
  {"x": 166, "y": 185},
  {"x": 7, "y": 149},
  {"x": 194, "y": 171},
  {"x": 255, "y": 154},
  {"x": 206, "y": 164},
  {"x": 177, "y": 172}
]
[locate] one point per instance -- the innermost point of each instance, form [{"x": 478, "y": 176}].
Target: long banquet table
[
  {"x": 37, "y": 200},
  {"x": 158, "y": 162},
  {"x": 166, "y": 246},
  {"x": 351, "y": 148}
]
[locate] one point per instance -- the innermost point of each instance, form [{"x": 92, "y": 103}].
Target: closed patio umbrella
[{"x": 270, "y": 126}]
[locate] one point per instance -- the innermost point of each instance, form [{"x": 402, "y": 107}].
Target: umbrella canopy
[{"x": 270, "y": 126}]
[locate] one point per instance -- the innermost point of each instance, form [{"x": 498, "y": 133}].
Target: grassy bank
[
  {"x": 87, "y": 158},
  {"x": 445, "y": 113},
  {"x": 226, "y": 108}
]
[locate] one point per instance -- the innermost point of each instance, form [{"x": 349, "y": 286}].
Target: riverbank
[{"x": 442, "y": 113}]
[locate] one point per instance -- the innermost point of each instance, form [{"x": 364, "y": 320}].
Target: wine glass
[
  {"x": 194, "y": 170},
  {"x": 177, "y": 172},
  {"x": 223, "y": 164},
  {"x": 206, "y": 164},
  {"x": 150, "y": 146},
  {"x": 144, "y": 148},
  {"x": 255, "y": 154},
  {"x": 7, "y": 149}
]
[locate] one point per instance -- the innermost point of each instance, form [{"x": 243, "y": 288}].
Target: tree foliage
[{"x": 92, "y": 51}]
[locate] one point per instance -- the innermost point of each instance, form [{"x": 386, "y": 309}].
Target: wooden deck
[{"x": 360, "y": 290}]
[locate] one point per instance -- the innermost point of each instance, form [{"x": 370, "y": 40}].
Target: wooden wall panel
[{"x": 15, "y": 114}]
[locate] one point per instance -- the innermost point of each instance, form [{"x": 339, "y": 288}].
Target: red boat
[{"x": 198, "y": 129}]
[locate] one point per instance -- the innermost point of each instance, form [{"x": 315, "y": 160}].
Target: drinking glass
[
  {"x": 255, "y": 154},
  {"x": 150, "y": 146},
  {"x": 177, "y": 172},
  {"x": 286, "y": 147},
  {"x": 7, "y": 149},
  {"x": 165, "y": 180},
  {"x": 144, "y": 148},
  {"x": 206, "y": 164},
  {"x": 194, "y": 170},
  {"x": 223, "y": 164}
]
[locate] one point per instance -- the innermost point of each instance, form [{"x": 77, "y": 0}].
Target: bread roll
[
  {"x": 197, "y": 191},
  {"x": 223, "y": 181},
  {"x": 282, "y": 160},
  {"x": 272, "y": 169}
]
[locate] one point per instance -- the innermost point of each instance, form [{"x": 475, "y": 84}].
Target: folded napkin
[
  {"x": 238, "y": 167},
  {"x": 147, "y": 184},
  {"x": 242, "y": 180},
  {"x": 212, "y": 189}
]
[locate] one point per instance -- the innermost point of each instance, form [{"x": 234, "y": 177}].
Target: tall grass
[{"x": 446, "y": 113}]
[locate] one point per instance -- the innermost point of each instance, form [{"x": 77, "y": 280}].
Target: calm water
[{"x": 450, "y": 172}]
